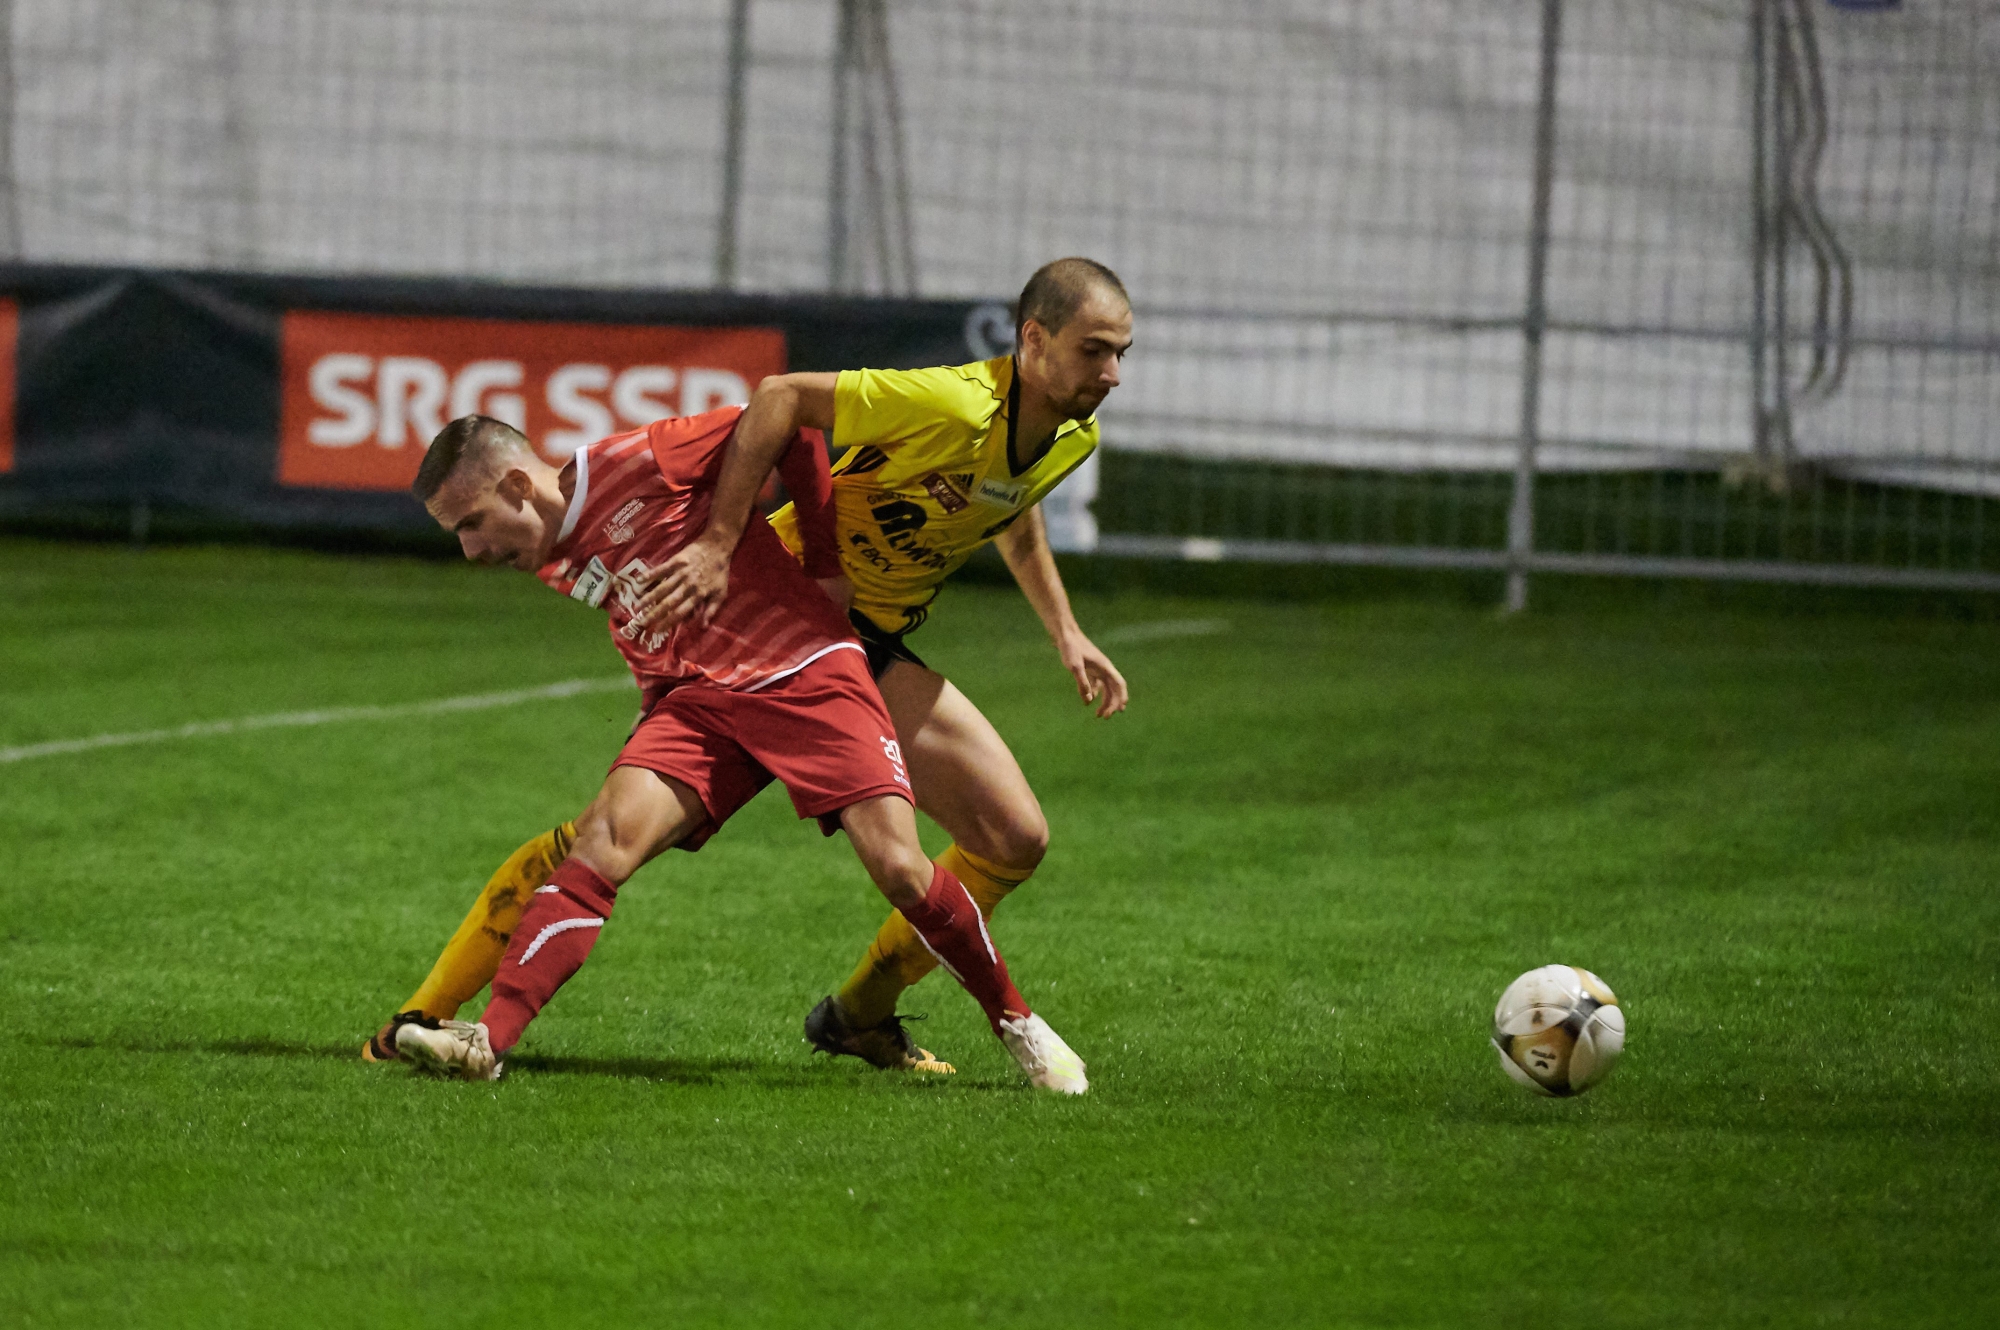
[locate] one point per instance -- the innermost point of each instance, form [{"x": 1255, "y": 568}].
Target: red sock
[
  {"x": 951, "y": 927},
  {"x": 556, "y": 932}
]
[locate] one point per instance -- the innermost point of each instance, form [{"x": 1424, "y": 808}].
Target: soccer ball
[{"x": 1558, "y": 1030}]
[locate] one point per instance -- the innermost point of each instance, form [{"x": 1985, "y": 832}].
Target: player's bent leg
[
  {"x": 951, "y": 928},
  {"x": 964, "y": 775},
  {"x": 636, "y": 815},
  {"x": 965, "y": 779},
  {"x": 469, "y": 959},
  {"x": 473, "y": 954},
  {"x": 884, "y": 833}
]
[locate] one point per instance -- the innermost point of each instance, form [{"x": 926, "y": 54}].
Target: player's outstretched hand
[
  {"x": 688, "y": 587},
  {"x": 1097, "y": 679}
]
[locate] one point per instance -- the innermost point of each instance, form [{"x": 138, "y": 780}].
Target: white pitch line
[
  {"x": 1158, "y": 630},
  {"x": 329, "y": 716},
  {"x": 1161, "y": 629}
]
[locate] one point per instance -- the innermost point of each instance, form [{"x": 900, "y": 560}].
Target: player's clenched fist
[{"x": 686, "y": 588}]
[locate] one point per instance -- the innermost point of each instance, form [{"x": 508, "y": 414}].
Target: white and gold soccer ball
[{"x": 1558, "y": 1030}]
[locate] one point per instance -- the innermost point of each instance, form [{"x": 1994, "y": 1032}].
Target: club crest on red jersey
[{"x": 618, "y": 529}]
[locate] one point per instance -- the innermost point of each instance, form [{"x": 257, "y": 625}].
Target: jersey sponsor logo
[
  {"x": 962, "y": 479},
  {"x": 900, "y": 520},
  {"x": 361, "y": 395},
  {"x": 947, "y": 498},
  {"x": 592, "y": 583},
  {"x": 1000, "y": 493},
  {"x": 618, "y": 530},
  {"x": 898, "y": 517},
  {"x": 865, "y": 549},
  {"x": 630, "y": 582}
]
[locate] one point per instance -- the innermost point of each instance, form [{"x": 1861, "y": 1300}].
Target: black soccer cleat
[{"x": 887, "y": 1045}]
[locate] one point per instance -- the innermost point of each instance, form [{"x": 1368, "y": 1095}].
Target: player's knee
[
  {"x": 901, "y": 872},
  {"x": 608, "y": 843},
  {"x": 1023, "y": 842}
]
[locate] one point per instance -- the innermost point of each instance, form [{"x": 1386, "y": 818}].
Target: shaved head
[
  {"x": 471, "y": 446},
  {"x": 1057, "y": 290},
  {"x": 484, "y": 484}
]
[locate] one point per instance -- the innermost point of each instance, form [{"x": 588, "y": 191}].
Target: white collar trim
[{"x": 577, "y": 496}]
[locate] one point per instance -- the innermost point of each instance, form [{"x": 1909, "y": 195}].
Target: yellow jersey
[{"x": 925, "y": 478}]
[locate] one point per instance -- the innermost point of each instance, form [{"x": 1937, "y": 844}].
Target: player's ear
[
  {"x": 1034, "y": 337},
  {"x": 515, "y": 485}
]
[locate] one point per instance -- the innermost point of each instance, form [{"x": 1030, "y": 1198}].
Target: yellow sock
[
  {"x": 897, "y": 958},
  {"x": 473, "y": 954}
]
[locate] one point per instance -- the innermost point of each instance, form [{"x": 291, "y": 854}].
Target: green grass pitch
[{"x": 1283, "y": 894}]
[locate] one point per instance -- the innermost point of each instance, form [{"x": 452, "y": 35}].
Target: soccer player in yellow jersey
[{"x": 937, "y": 463}]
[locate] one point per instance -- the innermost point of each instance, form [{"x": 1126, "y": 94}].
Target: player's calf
[
  {"x": 555, "y": 937},
  {"x": 933, "y": 902}
]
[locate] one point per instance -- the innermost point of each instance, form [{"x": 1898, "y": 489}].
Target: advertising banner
[
  {"x": 362, "y": 395},
  {"x": 10, "y": 320},
  {"x": 291, "y": 402}
]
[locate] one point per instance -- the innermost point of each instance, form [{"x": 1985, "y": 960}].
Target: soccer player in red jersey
[{"x": 773, "y": 684}]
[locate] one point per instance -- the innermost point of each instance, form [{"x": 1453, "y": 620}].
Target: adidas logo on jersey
[
  {"x": 948, "y": 498},
  {"x": 619, "y": 529}
]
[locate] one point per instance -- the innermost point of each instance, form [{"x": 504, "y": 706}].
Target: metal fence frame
[
  {"x": 1776, "y": 29},
  {"x": 869, "y": 247}
]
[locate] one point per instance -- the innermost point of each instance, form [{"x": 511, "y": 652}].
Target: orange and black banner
[
  {"x": 284, "y": 402},
  {"x": 10, "y": 322}
]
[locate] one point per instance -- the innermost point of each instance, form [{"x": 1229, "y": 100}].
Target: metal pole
[
  {"x": 10, "y": 208},
  {"x": 892, "y": 104},
  {"x": 732, "y": 144},
  {"x": 233, "y": 239},
  {"x": 1521, "y": 514},
  {"x": 1783, "y": 88},
  {"x": 1760, "y": 233},
  {"x": 836, "y": 197}
]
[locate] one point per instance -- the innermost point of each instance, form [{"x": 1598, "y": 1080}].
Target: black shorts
[{"x": 881, "y": 645}]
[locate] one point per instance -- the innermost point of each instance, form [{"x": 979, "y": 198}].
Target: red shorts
[{"x": 823, "y": 731}]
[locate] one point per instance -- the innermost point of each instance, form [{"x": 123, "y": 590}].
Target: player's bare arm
[
  {"x": 1025, "y": 547},
  {"x": 1065, "y": 375},
  {"x": 692, "y": 584}
]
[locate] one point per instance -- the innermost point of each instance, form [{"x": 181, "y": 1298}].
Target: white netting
[{"x": 1322, "y": 209}]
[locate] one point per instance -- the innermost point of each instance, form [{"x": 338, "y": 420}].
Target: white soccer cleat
[
  {"x": 455, "y": 1048},
  {"x": 1050, "y": 1063}
]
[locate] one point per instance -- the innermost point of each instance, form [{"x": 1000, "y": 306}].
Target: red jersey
[{"x": 639, "y": 498}]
